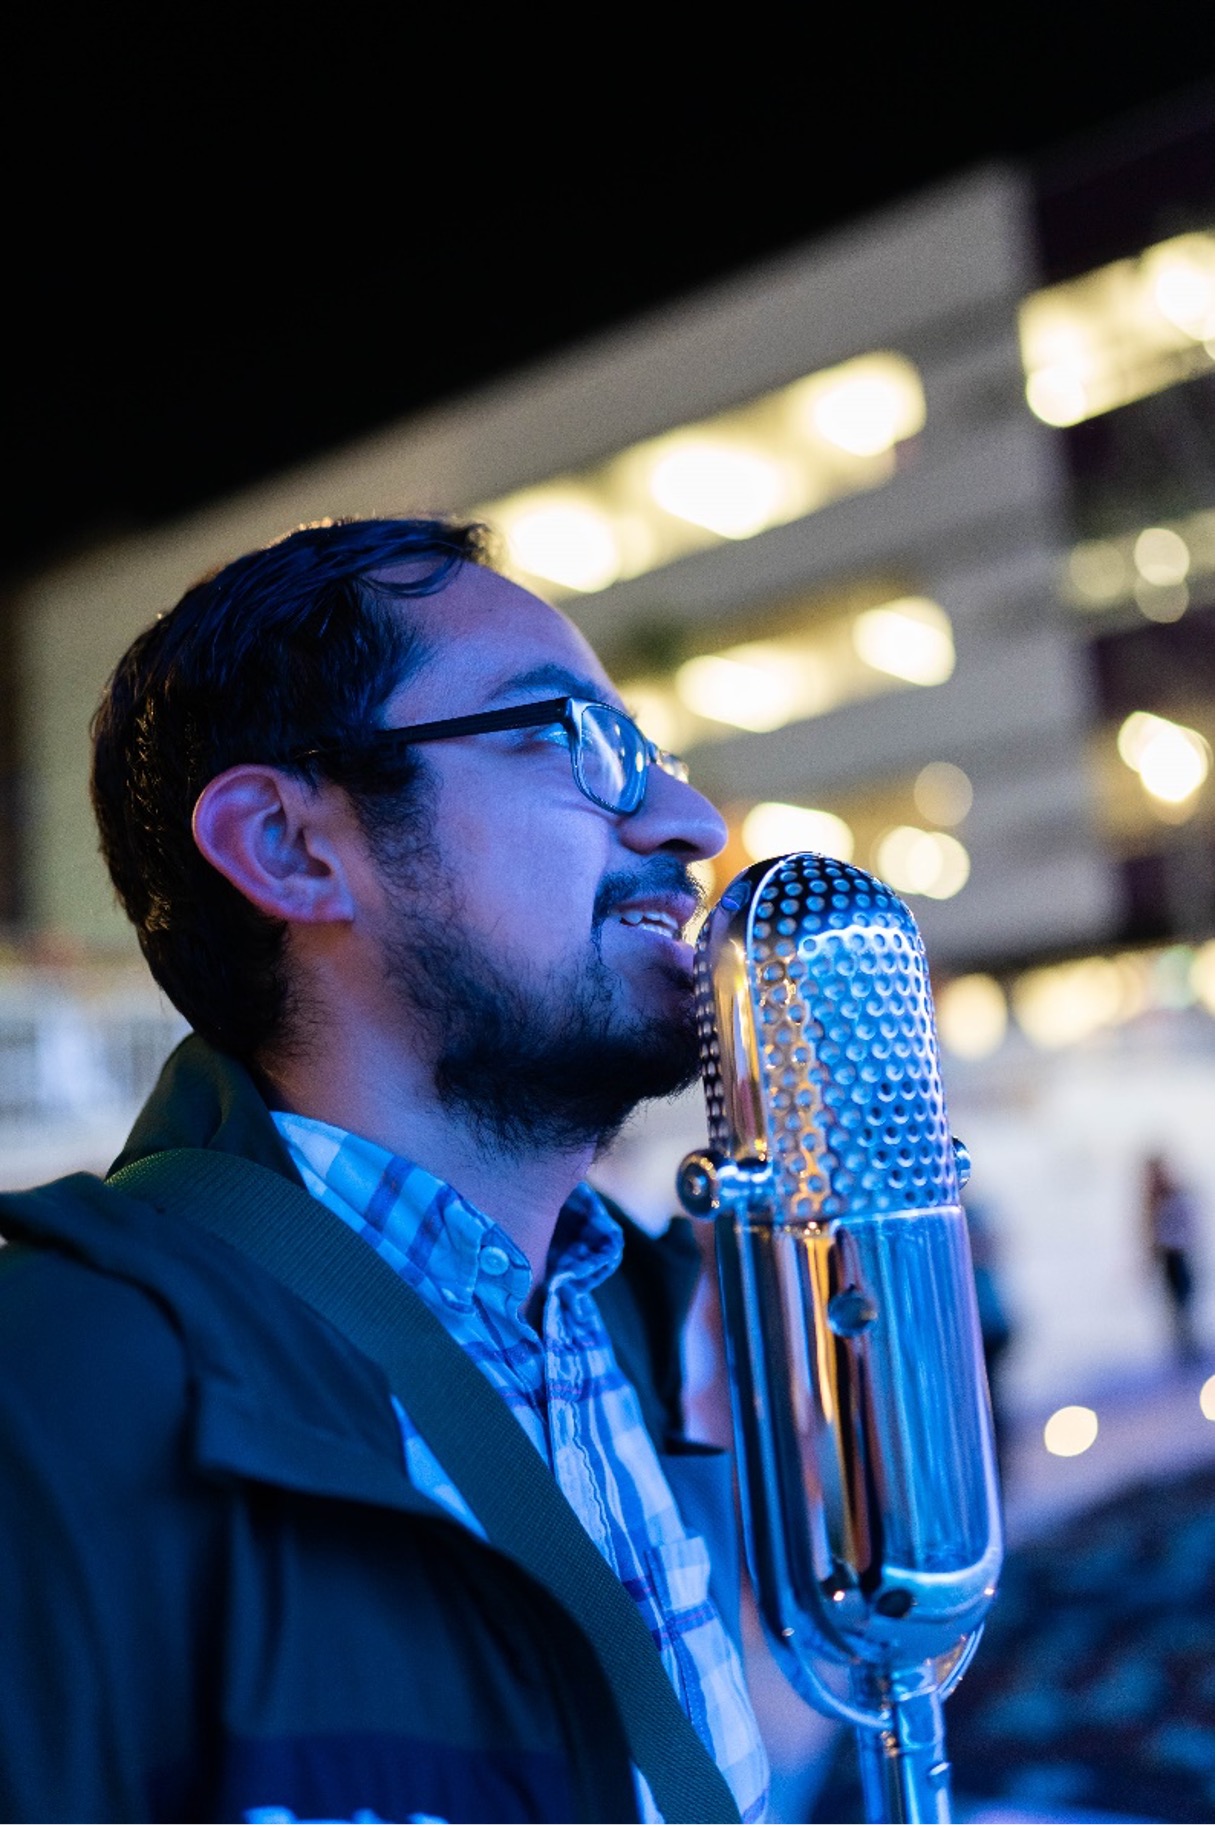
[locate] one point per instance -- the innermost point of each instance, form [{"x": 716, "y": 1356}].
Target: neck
[{"x": 394, "y": 1104}]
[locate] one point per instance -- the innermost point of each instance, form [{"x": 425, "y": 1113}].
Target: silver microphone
[{"x": 861, "y": 1414}]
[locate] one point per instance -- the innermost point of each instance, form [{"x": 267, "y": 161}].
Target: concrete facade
[{"x": 974, "y": 519}]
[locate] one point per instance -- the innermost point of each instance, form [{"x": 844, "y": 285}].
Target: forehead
[{"x": 488, "y": 641}]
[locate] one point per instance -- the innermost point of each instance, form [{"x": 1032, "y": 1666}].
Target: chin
[
  {"x": 665, "y": 1035},
  {"x": 670, "y": 990}
]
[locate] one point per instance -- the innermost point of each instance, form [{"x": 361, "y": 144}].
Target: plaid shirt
[{"x": 567, "y": 1392}]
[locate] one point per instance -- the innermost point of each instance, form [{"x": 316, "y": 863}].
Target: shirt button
[{"x": 495, "y": 1260}]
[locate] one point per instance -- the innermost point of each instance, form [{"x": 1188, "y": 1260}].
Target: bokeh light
[
  {"x": 922, "y": 862},
  {"x": 971, "y": 1014},
  {"x": 1171, "y": 760},
  {"x": 749, "y": 688},
  {"x": 653, "y": 710},
  {"x": 1161, "y": 602},
  {"x": 1161, "y": 556},
  {"x": 1071, "y": 1431},
  {"x": 943, "y": 793},
  {"x": 1098, "y": 571},
  {"x": 773, "y": 829},
  {"x": 565, "y": 541},
  {"x": 910, "y": 639},
  {"x": 1057, "y": 396},
  {"x": 1181, "y": 277},
  {"x": 727, "y": 488},
  {"x": 865, "y": 406},
  {"x": 1065, "y": 1003}
]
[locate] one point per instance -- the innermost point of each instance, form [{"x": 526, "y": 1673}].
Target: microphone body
[{"x": 864, "y": 1441}]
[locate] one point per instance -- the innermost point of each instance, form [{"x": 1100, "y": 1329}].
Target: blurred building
[{"x": 906, "y": 540}]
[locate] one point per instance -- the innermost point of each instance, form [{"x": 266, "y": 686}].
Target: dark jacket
[{"x": 218, "y": 1592}]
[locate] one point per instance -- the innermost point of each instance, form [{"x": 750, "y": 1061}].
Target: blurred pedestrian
[
  {"x": 992, "y": 1312},
  {"x": 1169, "y": 1221}
]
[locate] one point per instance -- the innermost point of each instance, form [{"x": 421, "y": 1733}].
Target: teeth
[{"x": 659, "y": 922}]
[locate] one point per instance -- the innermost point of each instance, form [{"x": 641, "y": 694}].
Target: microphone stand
[
  {"x": 860, "y": 1410},
  {"x": 905, "y": 1773}
]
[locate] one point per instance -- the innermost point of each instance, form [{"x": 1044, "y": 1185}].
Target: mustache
[{"x": 660, "y": 875}]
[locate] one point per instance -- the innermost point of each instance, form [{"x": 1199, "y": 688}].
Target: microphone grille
[{"x": 839, "y": 1028}]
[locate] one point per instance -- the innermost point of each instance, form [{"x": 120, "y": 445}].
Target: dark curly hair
[{"x": 293, "y": 647}]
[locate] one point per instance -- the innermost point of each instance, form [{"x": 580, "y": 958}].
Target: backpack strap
[{"x": 466, "y": 1424}]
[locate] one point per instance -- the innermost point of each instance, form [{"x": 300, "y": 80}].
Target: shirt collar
[{"x": 437, "y": 1239}]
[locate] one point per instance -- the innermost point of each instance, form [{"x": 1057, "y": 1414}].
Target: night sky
[{"x": 235, "y": 241}]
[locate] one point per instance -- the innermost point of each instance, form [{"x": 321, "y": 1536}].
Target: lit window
[
  {"x": 1180, "y": 277},
  {"x": 767, "y": 684},
  {"x": 750, "y": 689},
  {"x": 1156, "y": 566},
  {"x": 732, "y": 476},
  {"x": 730, "y": 490},
  {"x": 865, "y": 407},
  {"x": 911, "y": 639},
  {"x": 1121, "y": 332}
]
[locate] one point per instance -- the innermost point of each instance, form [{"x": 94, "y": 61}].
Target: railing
[{"x": 80, "y": 1048}]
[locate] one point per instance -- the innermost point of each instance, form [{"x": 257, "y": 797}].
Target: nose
[{"x": 674, "y": 817}]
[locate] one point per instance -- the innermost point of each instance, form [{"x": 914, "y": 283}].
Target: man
[
  {"x": 393, "y": 847},
  {"x": 1169, "y": 1227}
]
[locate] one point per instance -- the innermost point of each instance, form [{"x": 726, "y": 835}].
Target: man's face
[{"x": 537, "y": 938}]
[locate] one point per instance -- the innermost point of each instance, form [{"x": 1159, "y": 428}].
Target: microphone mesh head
[{"x": 844, "y": 1028}]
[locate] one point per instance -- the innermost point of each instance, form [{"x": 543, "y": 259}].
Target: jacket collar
[
  {"x": 278, "y": 1396},
  {"x": 206, "y": 1099}
]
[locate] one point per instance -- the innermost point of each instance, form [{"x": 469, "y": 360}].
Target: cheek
[{"x": 527, "y": 875}]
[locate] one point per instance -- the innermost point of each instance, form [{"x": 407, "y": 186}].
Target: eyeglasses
[{"x": 610, "y": 755}]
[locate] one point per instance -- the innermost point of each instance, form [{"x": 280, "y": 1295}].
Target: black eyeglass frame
[{"x": 567, "y": 712}]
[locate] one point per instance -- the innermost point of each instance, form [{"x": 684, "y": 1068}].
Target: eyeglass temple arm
[{"x": 515, "y": 717}]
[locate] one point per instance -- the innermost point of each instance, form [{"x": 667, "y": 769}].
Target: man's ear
[{"x": 278, "y": 841}]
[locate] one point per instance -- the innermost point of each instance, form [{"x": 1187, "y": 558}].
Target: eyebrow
[{"x": 549, "y": 675}]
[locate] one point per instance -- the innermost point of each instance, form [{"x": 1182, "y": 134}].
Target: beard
[{"x": 540, "y": 1067}]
